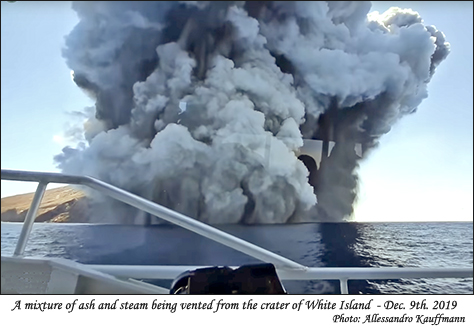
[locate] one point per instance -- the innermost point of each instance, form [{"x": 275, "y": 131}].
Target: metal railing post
[
  {"x": 344, "y": 287},
  {"x": 30, "y": 219}
]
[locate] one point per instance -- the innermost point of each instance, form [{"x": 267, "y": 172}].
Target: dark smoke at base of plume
[{"x": 203, "y": 106}]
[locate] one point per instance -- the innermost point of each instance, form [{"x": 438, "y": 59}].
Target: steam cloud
[{"x": 201, "y": 106}]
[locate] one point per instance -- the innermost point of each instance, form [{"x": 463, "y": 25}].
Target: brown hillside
[{"x": 64, "y": 204}]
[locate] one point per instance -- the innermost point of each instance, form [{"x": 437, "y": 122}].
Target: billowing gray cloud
[{"x": 256, "y": 78}]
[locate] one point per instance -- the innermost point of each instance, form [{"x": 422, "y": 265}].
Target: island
[{"x": 59, "y": 205}]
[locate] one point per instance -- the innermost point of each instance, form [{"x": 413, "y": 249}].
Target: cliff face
[{"x": 64, "y": 204}]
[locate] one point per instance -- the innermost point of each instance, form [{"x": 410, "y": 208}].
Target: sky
[{"x": 422, "y": 170}]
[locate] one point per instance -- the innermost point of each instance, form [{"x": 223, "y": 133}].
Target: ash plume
[{"x": 202, "y": 106}]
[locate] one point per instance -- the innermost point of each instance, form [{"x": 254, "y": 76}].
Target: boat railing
[{"x": 287, "y": 269}]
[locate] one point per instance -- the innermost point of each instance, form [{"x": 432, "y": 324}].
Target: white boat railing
[{"x": 287, "y": 269}]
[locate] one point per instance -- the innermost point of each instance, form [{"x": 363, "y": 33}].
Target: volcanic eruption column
[{"x": 201, "y": 106}]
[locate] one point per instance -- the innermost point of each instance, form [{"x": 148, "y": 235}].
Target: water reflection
[
  {"x": 424, "y": 245},
  {"x": 340, "y": 241},
  {"x": 315, "y": 245}
]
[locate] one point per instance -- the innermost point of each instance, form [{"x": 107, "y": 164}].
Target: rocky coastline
[{"x": 59, "y": 205}]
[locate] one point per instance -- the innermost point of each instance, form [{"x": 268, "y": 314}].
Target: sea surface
[{"x": 396, "y": 244}]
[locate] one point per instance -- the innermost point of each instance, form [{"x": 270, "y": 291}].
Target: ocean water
[{"x": 435, "y": 244}]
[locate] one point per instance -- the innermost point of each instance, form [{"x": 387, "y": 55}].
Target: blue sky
[{"x": 421, "y": 171}]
